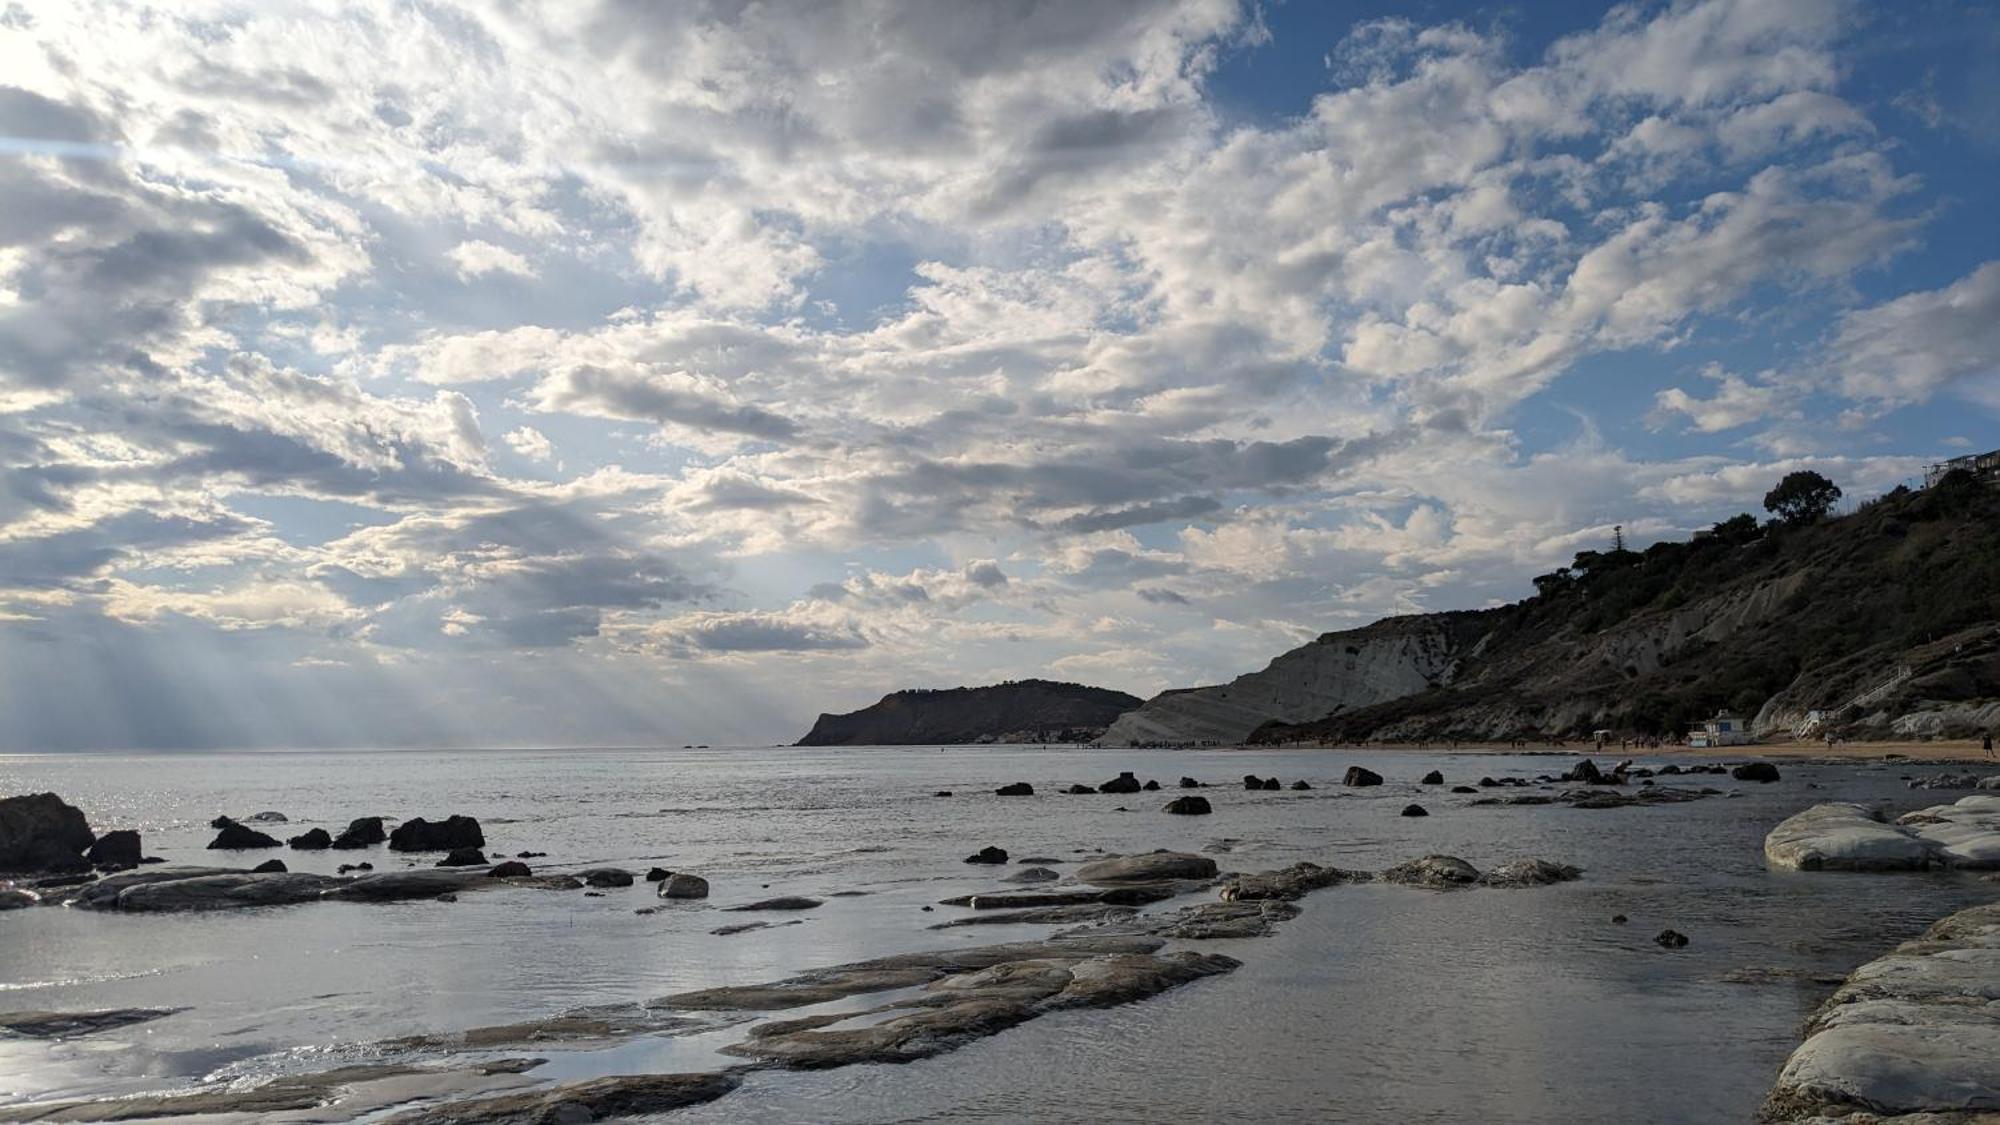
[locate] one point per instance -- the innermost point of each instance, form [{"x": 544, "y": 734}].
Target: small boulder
[
  {"x": 1433, "y": 778},
  {"x": 1670, "y": 939},
  {"x": 450, "y": 834},
  {"x": 1358, "y": 776},
  {"x": 1755, "y": 771},
  {"x": 1151, "y": 786},
  {"x": 267, "y": 818},
  {"x": 347, "y": 867},
  {"x": 942, "y": 793},
  {"x": 782, "y": 902},
  {"x": 1123, "y": 783},
  {"x": 463, "y": 857},
  {"x": 683, "y": 885},
  {"x": 1189, "y": 806},
  {"x": 269, "y": 867},
  {"x": 1272, "y": 783},
  {"x": 605, "y": 877},
  {"x": 1252, "y": 781},
  {"x": 1079, "y": 790},
  {"x": 361, "y": 833},
  {"x": 1620, "y": 919},
  {"x": 311, "y": 840},
  {"x": 115, "y": 849},
  {"x": 1301, "y": 785},
  {"x": 1463, "y": 789},
  {"x": 511, "y": 869},
  {"x": 988, "y": 854},
  {"x": 1151, "y": 867},
  {"x": 1190, "y": 783},
  {"x": 1586, "y": 772},
  {"x": 1017, "y": 789},
  {"x": 1435, "y": 871},
  {"x": 236, "y": 837},
  {"x": 658, "y": 875},
  {"x": 1415, "y": 810}
]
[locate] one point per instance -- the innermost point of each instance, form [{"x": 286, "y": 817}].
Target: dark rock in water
[
  {"x": 116, "y": 849},
  {"x": 1123, "y": 783},
  {"x": 1670, "y": 939},
  {"x": 1286, "y": 884},
  {"x": 1252, "y": 781},
  {"x": 169, "y": 890},
  {"x": 595, "y": 1099},
  {"x": 267, "y": 818},
  {"x": 1487, "y": 783},
  {"x": 1463, "y": 789},
  {"x": 1755, "y": 771},
  {"x": 1437, "y": 872},
  {"x": 311, "y": 840},
  {"x": 1190, "y": 783},
  {"x": 220, "y": 821},
  {"x": 1017, "y": 789},
  {"x": 463, "y": 857},
  {"x": 347, "y": 867},
  {"x": 1037, "y": 860},
  {"x": 512, "y": 869},
  {"x": 1189, "y": 806},
  {"x": 531, "y": 855},
  {"x": 1358, "y": 776},
  {"x": 269, "y": 867},
  {"x": 1151, "y": 786},
  {"x": 1432, "y": 778},
  {"x": 1529, "y": 873},
  {"x": 988, "y": 854},
  {"x": 782, "y": 902},
  {"x": 1079, "y": 790},
  {"x": 12, "y": 898},
  {"x": 1619, "y": 919},
  {"x": 683, "y": 885},
  {"x": 605, "y": 877},
  {"x": 1415, "y": 810},
  {"x": 942, "y": 793},
  {"x": 658, "y": 875},
  {"x": 1032, "y": 875},
  {"x": 1586, "y": 772},
  {"x": 420, "y": 835},
  {"x": 41, "y": 832},
  {"x": 68, "y": 1025},
  {"x": 1669, "y": 769},
  {"x": 1301, "y": 785},
  {"x": 361, "y": 833},
  {"x": 236, "y": 837}
]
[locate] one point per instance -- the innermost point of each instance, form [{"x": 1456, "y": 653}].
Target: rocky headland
[{"x": 1016, "y": 711}]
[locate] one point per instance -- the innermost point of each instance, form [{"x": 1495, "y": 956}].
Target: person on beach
[{"x": 1989, "y": 745}]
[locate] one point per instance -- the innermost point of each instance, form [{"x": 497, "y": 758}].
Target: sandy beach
[{"x": 1966, "y": 751}]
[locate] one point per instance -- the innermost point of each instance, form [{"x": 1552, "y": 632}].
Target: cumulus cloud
[{"x": 476, "y": 258}]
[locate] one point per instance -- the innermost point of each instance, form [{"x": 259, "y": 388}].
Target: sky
[{"x": 595, "y": 372}]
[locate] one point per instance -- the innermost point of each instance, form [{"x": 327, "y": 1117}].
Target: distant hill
[
  {"x": 1884, "y": 623},
  {"x": 1016, "y": 711}
]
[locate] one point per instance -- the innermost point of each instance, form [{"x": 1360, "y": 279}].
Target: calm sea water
[{"x": 1379, "y": 1003}]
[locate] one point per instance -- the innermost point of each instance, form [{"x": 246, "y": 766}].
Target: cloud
[
  {"x": 531, "y": 443},
  {"x": 476, "y": 258},
  {"x": 1916, "y": 345}
]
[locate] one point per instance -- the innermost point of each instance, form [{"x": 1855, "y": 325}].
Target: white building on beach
[{"x": 1723, "y": 730}]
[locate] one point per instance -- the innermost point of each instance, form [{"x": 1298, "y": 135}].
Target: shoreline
[{"x": 1955, "y": 751}]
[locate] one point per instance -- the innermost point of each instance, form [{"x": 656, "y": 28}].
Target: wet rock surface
[
  {"x": 1147, "y": 868},
  {"x": 1434, "y": 871},
  {"x": 115, "y": 850},
  {"x": 231, "y": 836},
  {"x": 1287, "y": 884},
  {"x": 362, "y": 832},
  {"x": 1913, "y": 1035},
  {"x": 420, "y": 835},
  {"x": 1188, "y": 806},
  {"x": 782, "y": 902},
  {"x": 1842, "y": 836},
  {"x": 682, "y": 885},
  {"x": 40, "y": 832}
]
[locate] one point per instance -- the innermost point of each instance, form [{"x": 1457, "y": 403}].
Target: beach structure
[
  {"x": 1723, "y": 730},
  {"x": 1985, "y": 466}
]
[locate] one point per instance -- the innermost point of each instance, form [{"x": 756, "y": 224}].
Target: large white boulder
[{"x": 1840, "y": 836}]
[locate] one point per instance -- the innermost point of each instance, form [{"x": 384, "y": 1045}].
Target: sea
[{"x": 1378, "y": 1003}]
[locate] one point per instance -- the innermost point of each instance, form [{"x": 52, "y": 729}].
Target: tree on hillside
[{"x": 1802, "y": 497}]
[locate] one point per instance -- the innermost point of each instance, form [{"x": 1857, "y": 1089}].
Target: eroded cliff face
[
  {"x": 1336, "y": 672},
  {"x": 1019, "y": 711}
]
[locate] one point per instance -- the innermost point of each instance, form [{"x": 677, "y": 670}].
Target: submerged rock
[
  {"x": 361, "y": 833},
  {"x": 596, "y": 1099},
  {"x": 511, "y": 869},
  {"x": 1288, "y": 883},
  {"x": 1438, "y": 872},
  {"x": 420, "y": 835},
  {"x": 1190, "y": 783},
  {"x": 1415, "y": 810},
  {"x": 1463, "y": 789},
  {"x": 988, "y": 854},
  {"x": 1032, "y": 875},
  {"x": 1079, "y": 790},
  {"x": 230, "y": 891},
  {"x": 1188, "y": 806},
  {"x": 1301, "y": 786},
  {"x": 1670, "y": 939},
  {"x": 463, "y": 857},
  {"x": 269, "y": 867},
  {"x": 237, "y": 837},
  {"x": 606, "y": 877},
  {"x": 1529, "y": 873},
  {"x": 69, "y": 1025},
  {"x": 782, "y": 902},
  {"x": 1147, "y": 868},
  {"x": 1017, "y": 789},
  {"x": 313, "y": 839}
]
